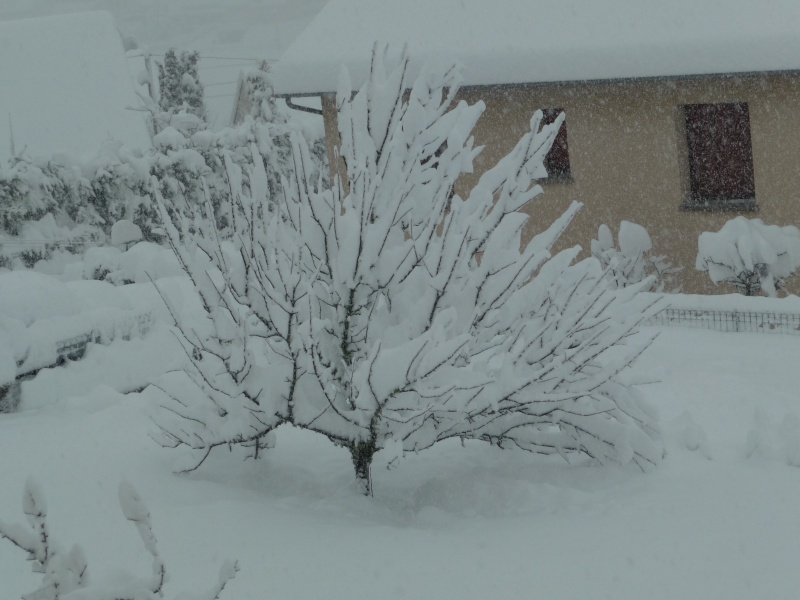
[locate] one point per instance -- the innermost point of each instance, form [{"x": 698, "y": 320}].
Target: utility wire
[
  {"x": 228, "y": 66},
  {"x": 204, "y": 57},
  {"x": 54, "y": 244}
]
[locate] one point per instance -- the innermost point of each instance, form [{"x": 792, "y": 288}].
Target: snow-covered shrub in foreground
[
  {"x": 750, "y": 255},
  {"x": 388, "y": 311},
  {"x": 66, "y": 574},
  {"x": 634, "y": 260}
]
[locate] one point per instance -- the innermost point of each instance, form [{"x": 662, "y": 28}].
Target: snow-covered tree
[
  {"x": 750, "y": 255},
  {"x": 633, "y": 261},
  {"x": 272, "y": 124},
  {"x": 114, "y": 183},
  {"x": 189, "y": 161},
  {"x": 65, "y": 574},
  {"x": 22, "y": 196},
  {"x": 387, "y": 311},
  {"x": 179, "y": 83}
]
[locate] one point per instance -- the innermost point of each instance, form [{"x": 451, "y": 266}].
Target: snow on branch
[
  {"x": 633, "y": 261},
  {"x": 392, "y": 311},
  {"x": 62, "y": 572},
  {"x": 65, "y": 574}
]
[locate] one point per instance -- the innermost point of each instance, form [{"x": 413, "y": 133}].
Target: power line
[
  {"x": 52, "y": 243},
  {"x": 249, "y": 58},
  {"x": 228, "y": 66},
  {"x": 239, "y": 58}
]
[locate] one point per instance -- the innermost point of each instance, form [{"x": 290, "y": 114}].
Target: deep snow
[
  {"x": 452, "y": 522},
  {"x": 717, "y": 519}
]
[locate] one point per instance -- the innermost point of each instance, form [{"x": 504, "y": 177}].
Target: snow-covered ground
[{"x": 717, "y": 519}]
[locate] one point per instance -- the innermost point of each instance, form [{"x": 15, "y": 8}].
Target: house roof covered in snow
[
  {"x": 65, "y": 86},
  {"x": 536, "y": 41}
]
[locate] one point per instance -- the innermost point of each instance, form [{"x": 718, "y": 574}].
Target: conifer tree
[{"x": 179, "y": 82}]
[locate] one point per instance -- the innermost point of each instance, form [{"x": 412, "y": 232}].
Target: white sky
[
  {"x": 65, "y": 86},
  {"x": 517, "y": 41},
  {"x": 229, "y": 34}
]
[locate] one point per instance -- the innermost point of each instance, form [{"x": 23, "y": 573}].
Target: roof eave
[{"x": 598, "y": 81}]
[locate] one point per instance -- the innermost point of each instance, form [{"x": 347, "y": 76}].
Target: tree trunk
[{"x": 362, "y": 453}]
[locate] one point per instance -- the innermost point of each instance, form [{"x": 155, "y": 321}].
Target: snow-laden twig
[
  {"x": 65, "y": 574},
  {"x": 389, "y": 309},
  {"x": 633, "y": 260}
]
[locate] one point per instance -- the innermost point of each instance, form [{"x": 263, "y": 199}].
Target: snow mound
[
  {"x": 124, "y": 232},
  {"x": 27, "y": 296},
  {"x": 774, "y": 439},
  {"x": 142, "y": 263}
]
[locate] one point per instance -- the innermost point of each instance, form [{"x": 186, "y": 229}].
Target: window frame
[{"x": 715, "y": 143}]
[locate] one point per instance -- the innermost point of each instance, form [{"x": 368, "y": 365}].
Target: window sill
[
  {"x": 746, "y": 205},
  {"x": 558, "y": 179}
]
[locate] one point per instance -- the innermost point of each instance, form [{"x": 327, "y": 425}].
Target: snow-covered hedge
[
  {"x": 114, "y": 184},
  {"x": 186, "y": 158}
]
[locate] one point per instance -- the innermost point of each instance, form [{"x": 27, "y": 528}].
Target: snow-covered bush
[
  {"x": 37, "y": 240},
  {"x": 186, "y": 158},
  {"x": 633, "y": 261},
  {"x": 750, "y": 255},
  {"x": 23, "y": 196},
  {"x": 395, "y": 313},
  {"x": 96, "y": 191},
  {"x": 66, "y": 574}
]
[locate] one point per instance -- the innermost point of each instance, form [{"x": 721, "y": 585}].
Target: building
[
  {"x": 680, "y": 115},
  {"x": 65, "y": 87}
]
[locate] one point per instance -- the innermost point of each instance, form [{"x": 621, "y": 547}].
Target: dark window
[
  {"x": 720, "y": 156},
  {"x": 557, "y": 160}
]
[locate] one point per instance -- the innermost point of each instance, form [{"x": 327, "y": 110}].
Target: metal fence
[
  {"x": 72, "y": 348},
  {"x": 729, "y": 320},
  {"x": 75, "y": 347}
]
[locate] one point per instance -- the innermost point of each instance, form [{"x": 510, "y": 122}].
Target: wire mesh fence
[{"x": 729, "y": 320}]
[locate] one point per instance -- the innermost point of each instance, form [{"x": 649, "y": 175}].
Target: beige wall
[
  {"x": 332, "y": 136},
  {"x": 628, "y": 155}
]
